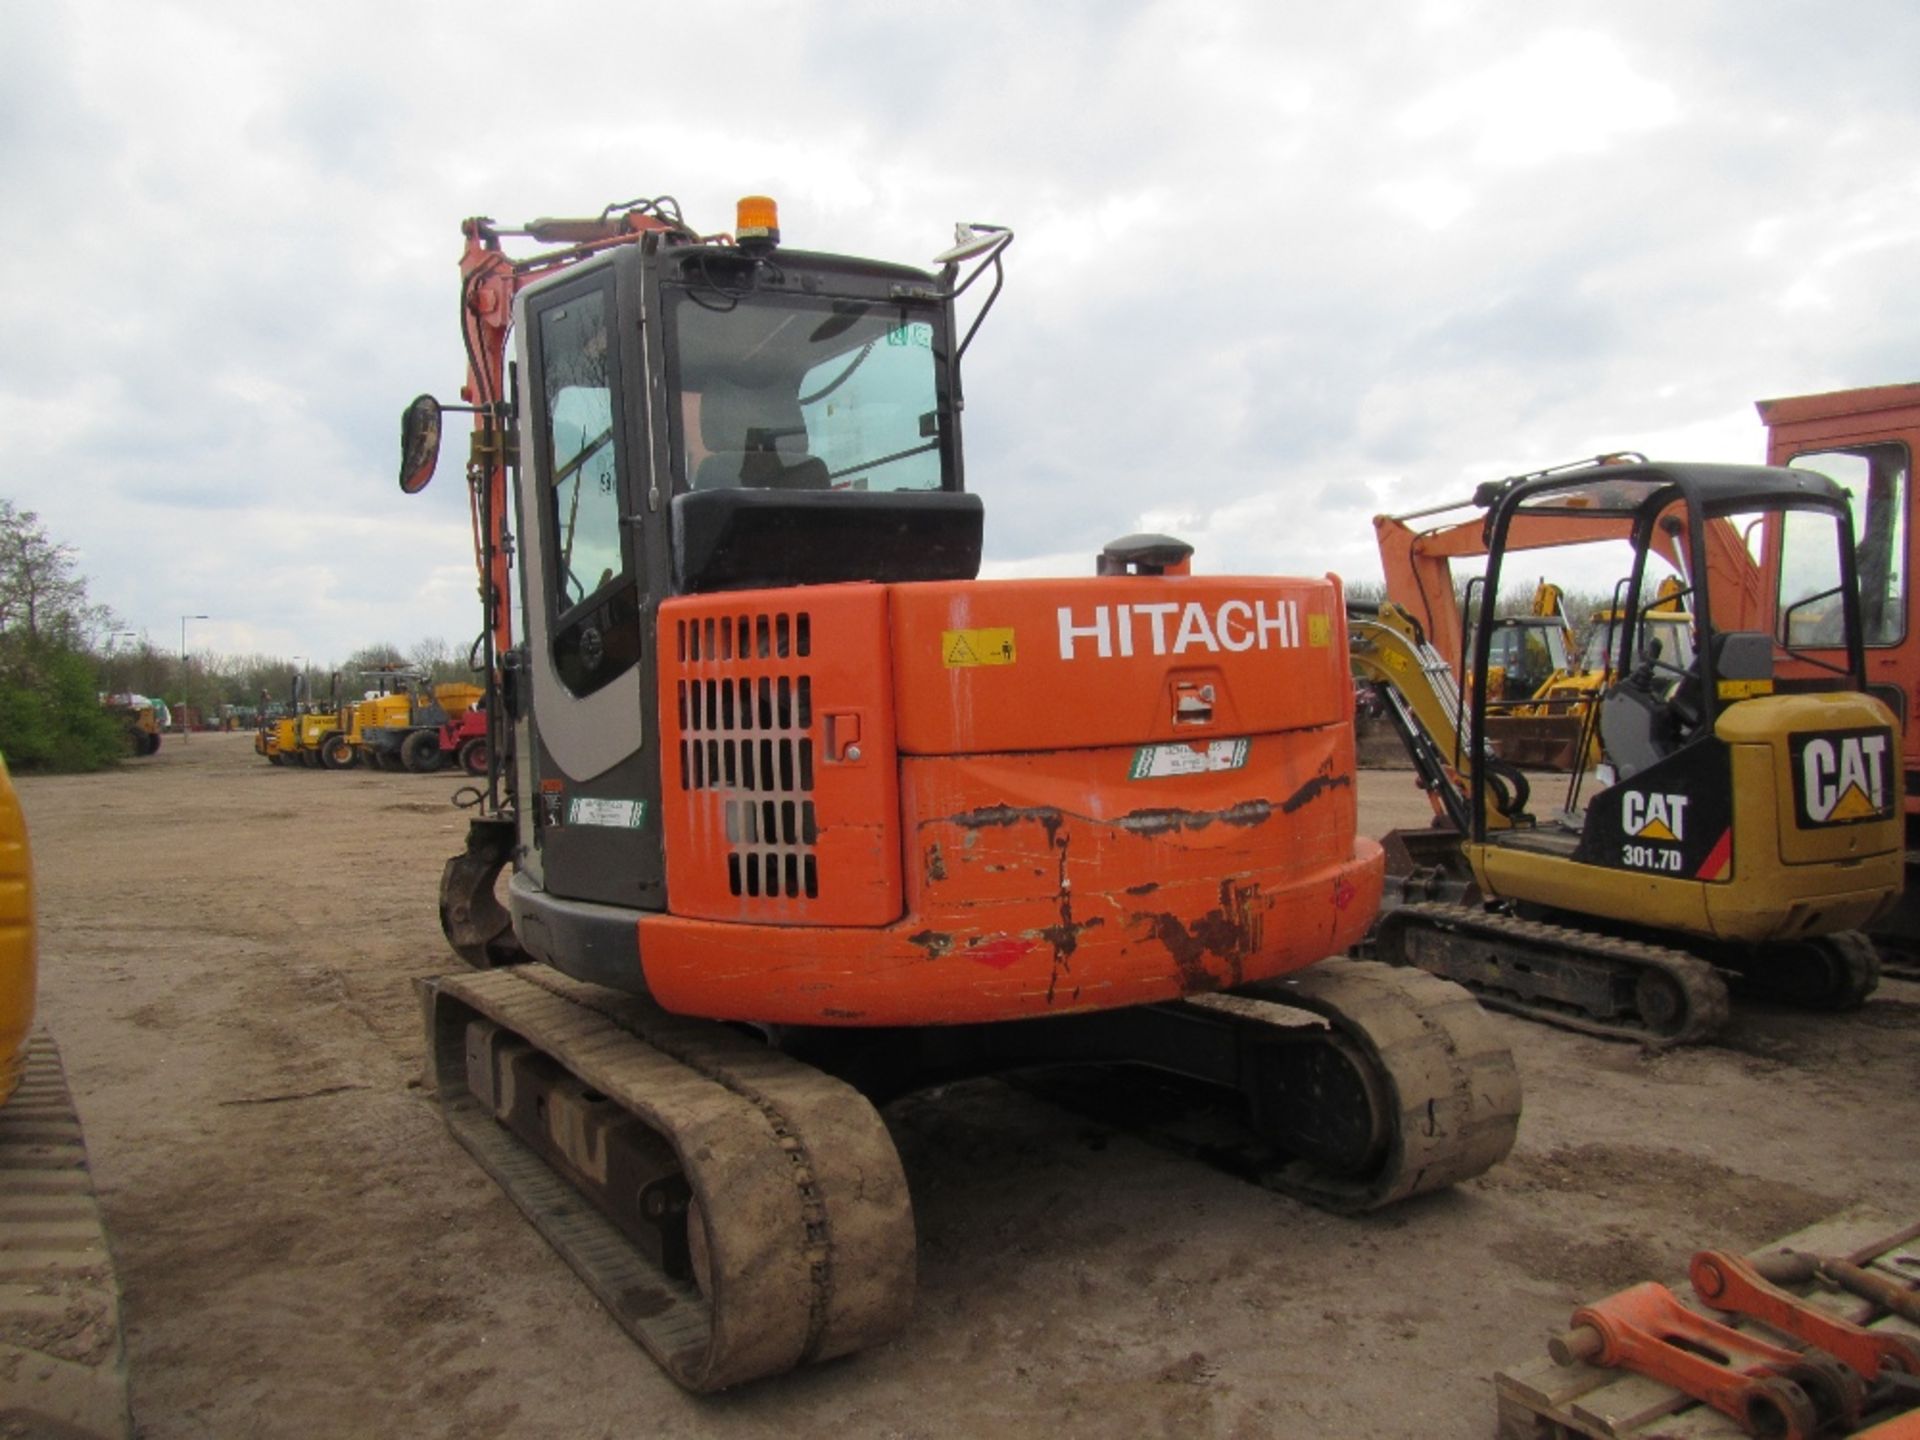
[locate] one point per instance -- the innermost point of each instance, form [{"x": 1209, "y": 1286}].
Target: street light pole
[
  {"x": 183, "y": 670},
  {"x": 183, "y": 639}
]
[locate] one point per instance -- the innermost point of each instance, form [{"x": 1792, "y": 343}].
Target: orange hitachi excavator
[{"x": 799, "y": 814}]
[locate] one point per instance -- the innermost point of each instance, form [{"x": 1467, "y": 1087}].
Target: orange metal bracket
[
  {"x": 1729, "y": 1283},
  {"x": 1765, "y": 1388}
]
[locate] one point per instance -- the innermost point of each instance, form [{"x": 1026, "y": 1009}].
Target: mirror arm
[{"x": 999, "y": 279}]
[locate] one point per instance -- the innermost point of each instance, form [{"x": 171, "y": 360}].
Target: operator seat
[
  {"x": 756, "y": 438},
  {"x": 1638, "y": 727},
  {"x": 1630, "y": 716}
]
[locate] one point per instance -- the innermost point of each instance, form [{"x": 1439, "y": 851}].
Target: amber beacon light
[{"x": 756, "y": 222}]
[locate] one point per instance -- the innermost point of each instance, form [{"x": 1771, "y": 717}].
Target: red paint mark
[
  {"x": 1343, "y": 893},
  {"x": 1715, "y": 865},
  {"x": 999, "y": 954}
]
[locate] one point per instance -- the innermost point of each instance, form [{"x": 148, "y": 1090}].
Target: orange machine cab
[{"x": 976, "y": 800}]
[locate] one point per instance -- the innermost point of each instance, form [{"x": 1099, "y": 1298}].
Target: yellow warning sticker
[
  {"x": 977, "y": 647},
  {"x": 1319, "y": 631}
]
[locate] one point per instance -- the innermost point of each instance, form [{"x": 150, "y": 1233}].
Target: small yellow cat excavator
[{"x": 1745, "y": 821}]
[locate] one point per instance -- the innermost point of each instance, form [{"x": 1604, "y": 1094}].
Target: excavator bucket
[{"x": 1536, "y": 742}]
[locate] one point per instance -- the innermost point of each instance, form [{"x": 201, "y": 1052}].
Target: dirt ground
[{"x": 228, "y": 958}]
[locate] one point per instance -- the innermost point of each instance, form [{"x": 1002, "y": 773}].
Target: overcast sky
[{"x": 1280, "y": 265}]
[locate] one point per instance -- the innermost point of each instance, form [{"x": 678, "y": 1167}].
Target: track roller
[{"x": 748, "y": 1213}]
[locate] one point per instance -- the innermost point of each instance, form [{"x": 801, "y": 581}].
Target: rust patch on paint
[
  {"x": 1186, "y": 950},
  {"x": 936, "y": 863},
  {"x": 1045, "y": 816},
  {"x": 1159, "y": 822},
  {"x": 935, "y": 942},
  {"x": 1146, "y": 889},
  {"x": 1064, "y": 937},
  {"x": 1229, "y": 934},
  {"x": 1326, "y": 780}
]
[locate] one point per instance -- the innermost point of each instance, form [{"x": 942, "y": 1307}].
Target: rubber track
[
  {"x": 1452, "y": 1088},
  {"x": 63, "y": 1365},
  {"x": 809, "y": 1227},
  {"x": 1858, "y": 960},
  {"x": 1702, "y": 991}
]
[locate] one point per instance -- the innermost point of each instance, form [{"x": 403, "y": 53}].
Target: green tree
[{"x": 50, "y": 713}]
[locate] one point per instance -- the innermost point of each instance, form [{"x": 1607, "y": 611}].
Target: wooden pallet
[{"x": 1540, "y": 1400}]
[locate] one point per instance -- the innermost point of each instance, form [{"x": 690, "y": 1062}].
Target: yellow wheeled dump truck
[
  {"x": 400, "y": 727},
  {"x": 63, "y": 1369},
  {"x": 791, "y": 831},
  {"x": 1744, "y": 824}
]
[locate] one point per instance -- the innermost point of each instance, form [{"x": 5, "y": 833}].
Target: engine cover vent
[{"x": 762, "y": 824}]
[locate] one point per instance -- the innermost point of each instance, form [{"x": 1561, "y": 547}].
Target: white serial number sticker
[
  {"x": 1158, "y": 762},
  {"x": 615, "y": 814}
]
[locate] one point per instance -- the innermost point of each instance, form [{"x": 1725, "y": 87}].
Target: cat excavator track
[
  {"x": 1831, "y": 972},
  {"x": 1615, "y": 986},
  {"x": 1574, "y": 978}
]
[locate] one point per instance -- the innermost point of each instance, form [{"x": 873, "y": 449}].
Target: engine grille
[{"x": 745, "y": 694}]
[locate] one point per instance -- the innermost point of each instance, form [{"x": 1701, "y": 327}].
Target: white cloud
[
  {"x": 1565, "y": 93},
  {"x": 1279, "y": 266}
]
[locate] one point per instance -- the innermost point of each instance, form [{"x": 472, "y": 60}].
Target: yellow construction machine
[
  {"x": 144, "y": 719},
  {"x": 300, "y": 733},
  {"x": 59, "y": 1268},
  {"x": 1745, "y": 822},
  {"x": 399, "y": 726}
]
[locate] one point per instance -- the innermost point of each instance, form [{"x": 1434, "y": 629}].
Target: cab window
[
  {"x": 791, "y": 392},
  {"x": 583, "y": 499},
  {"x": 1877, "y": 477}
]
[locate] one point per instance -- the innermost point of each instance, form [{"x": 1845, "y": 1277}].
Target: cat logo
[
  {"x": 1842, "y": 777},
  {"x": 1654, "y": 817}
]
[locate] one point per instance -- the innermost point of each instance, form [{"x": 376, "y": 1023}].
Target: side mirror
[{"x": 419, "y": 443}]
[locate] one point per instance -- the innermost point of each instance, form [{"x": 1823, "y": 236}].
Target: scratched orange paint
[{"x": 1034, "y": 859}]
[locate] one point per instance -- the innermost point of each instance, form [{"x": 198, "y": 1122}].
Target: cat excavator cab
[
  {"x": 1745, "y": 821},
  {"x": 795, "y": 813}
]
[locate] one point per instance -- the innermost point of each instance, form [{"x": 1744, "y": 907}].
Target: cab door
[{"x": 592, "y": 788}]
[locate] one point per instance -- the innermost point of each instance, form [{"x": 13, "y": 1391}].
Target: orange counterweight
[{"x": 952, "y": 803}]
